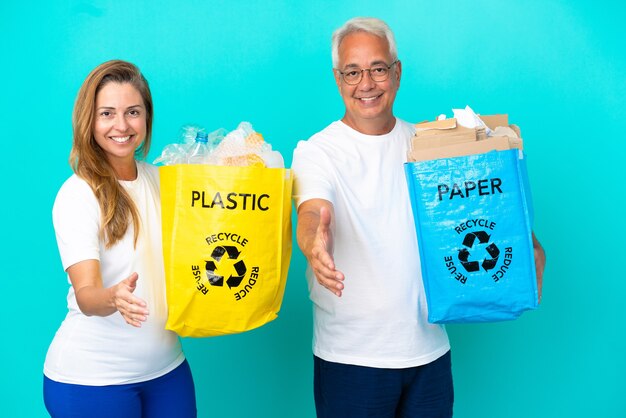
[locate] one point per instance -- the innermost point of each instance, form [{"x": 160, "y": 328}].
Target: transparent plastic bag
[{"x": 240, "y": 147}]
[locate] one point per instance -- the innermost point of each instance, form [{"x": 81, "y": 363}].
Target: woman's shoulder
[
  {"x": 75, "y": 193},
  {"x": 148, "y": 171},
  {"x": 74, "y": 185}
]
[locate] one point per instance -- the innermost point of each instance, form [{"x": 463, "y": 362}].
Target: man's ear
[
  {"x": 337, "y": 77},
  {"x": 398, "y": 71}
]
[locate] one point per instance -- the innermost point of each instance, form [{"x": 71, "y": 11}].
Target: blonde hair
[{"x": 89, "y": 161}]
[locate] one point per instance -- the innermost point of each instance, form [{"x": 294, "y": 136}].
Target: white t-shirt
[
  {"x": 94, "y": 350},
  {"x": 381, "y": 318}
]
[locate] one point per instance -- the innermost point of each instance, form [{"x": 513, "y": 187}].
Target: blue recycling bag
[{"x": 473, "y": 217}]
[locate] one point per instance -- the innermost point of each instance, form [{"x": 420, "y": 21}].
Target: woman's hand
[
  {"x": 133, "y": 309},
  {"x": 94, "y": 299}
]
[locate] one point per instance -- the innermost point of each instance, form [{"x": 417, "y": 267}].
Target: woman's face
[{"x": 120, "y": 122}]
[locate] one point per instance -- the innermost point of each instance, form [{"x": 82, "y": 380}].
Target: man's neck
[{"x": 371, "y": 126}]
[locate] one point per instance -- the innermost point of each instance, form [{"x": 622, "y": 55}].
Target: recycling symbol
[
  {"x": 468, "y": 242},
  {"x": 237, "y": 269}
]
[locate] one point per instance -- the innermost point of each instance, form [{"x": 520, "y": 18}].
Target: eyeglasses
[{"x": 378, "y": 73}]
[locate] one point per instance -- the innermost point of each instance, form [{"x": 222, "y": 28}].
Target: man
[{"x": 375, "y": 353}]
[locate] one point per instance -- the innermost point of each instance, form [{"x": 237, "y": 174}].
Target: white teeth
[
  {"x": 120, "y": 139},
  {"x": 368, "y": 99}
]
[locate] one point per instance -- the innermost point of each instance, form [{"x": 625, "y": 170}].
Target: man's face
[{"x": 369, "y": 104}]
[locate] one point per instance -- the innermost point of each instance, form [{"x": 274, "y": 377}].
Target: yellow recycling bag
[{"x": 226, "y": 246}]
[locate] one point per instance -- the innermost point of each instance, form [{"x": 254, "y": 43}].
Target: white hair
[{"x": 370, "y": 25}]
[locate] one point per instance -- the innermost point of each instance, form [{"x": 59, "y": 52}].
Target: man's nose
[{"x": 366, "y": 82}]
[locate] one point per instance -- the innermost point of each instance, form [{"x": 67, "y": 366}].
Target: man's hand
[
  {"x": 540, "y": 263},
  {"x": 315, "y": 238}
]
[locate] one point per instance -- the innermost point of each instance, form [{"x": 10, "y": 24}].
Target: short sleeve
[
  {"x": 76, "y": 220},
  {"x": 312, "y": 174}
]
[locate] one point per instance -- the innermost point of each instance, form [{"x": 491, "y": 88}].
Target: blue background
[{"x": 556, "y": 67}]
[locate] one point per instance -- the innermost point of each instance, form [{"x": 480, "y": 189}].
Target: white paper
[{"x": 467, "y": 118}]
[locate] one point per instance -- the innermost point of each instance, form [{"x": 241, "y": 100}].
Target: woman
[{"x": 112, "y": 357}]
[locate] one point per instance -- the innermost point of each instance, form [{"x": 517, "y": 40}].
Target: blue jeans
[
  {"x": 349, "y": 391},
  {"x": 171, "y": 395}
]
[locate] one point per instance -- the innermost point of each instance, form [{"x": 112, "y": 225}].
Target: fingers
[
  {"x": 321, "y": 256},
  {"x": 539, "y": 265},
  {"x": 135, "y": 321},
  {"x": 130, "y": 284},
  {"x": 131, "y": 281},
  {"x": 323, "y": 266},
  {"x": 331, "y": 282},
  {"x": 133, "y": 309},
  {"x": 321, "y": 259},
  {"x": 132, "y": 312}
]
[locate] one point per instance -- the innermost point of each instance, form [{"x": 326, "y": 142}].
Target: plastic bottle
[
  {"x": 199, "y": 151},
  {"x": 272, "y": 159}
]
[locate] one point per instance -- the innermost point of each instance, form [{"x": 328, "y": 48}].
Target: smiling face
[
  {"x": 369, "y": 105},
  {"x": 119, "y": 124}
]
